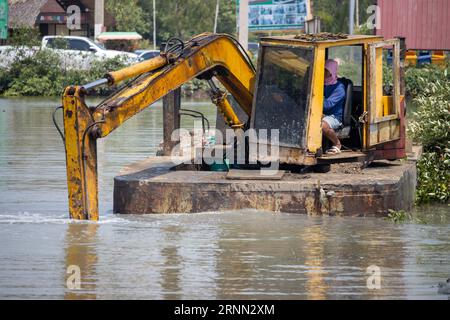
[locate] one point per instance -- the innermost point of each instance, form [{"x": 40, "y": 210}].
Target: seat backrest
[{"x": 348, "y": 104}]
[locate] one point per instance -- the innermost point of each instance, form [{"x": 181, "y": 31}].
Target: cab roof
[{"x": 326, "y": 39}]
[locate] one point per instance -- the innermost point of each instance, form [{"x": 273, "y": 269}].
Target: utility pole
[
  {"x": 357, "y": 13},
  {"x": 154, "y": 25},
  {"x": 99, "y": 17},
  {"x": 351, "y": 20},
  {"x": 243, "y": 23},
  {"x": 217, "y": 16}
]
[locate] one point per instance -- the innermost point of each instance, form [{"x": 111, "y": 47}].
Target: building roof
[
  {"x": 323, "y": 39},
  {"x": 24, "y": 13},
  {"x": 52, "y": 6},
  {"x": 83, "y": 4}
]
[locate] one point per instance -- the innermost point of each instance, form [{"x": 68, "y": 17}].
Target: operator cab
[{"x": 289, "y": 96}]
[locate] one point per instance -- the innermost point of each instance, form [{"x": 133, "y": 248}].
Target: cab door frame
[{"x": 381, "y": 128}]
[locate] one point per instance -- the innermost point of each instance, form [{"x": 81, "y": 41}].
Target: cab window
[
  {"x": 350, "y": 59},
  {"x": 58, "y": 43},
  {"x": 283, "y": 92},
  {"x": 80, "y": 45}
]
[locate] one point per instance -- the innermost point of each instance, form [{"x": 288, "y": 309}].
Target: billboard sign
[
  {"x": 277, "y": 14},
  {"x": 3, "y": 19}
]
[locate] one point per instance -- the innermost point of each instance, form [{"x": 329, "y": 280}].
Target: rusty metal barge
[{"x": 156, "y": 186}]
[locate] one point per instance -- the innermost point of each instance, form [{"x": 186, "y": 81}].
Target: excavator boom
[{"x": 205, "y": 57}]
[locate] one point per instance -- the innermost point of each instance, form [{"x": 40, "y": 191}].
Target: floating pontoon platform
[{"x": 156, "y": 185}]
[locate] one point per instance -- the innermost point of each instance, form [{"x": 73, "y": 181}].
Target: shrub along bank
[
  {"x": 42, "y": 74},
  {"x": 430, "y": 127}
]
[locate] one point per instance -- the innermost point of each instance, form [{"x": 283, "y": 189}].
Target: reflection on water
[
  {"x": 256, "y": 255},
  {"x": 171, "y": 274},
  {"x": 80, "y": 244},
  {"x": 314, "y": 260}
]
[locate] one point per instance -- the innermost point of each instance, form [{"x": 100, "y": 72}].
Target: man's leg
[{"x": 330, "y": 134}]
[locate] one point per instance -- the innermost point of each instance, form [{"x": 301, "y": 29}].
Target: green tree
[
  {"x": 334, "y": 14},
  {"x": 186, "y": 18},
  {"x": 227, "y": 17},
  {"x": 24, "y": 36},
  {"x": 128, "y": 15}
]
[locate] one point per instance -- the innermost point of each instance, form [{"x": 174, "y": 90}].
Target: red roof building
[
  {"x": 50, "y": 16},
  {"x": 424, "y": 23}
]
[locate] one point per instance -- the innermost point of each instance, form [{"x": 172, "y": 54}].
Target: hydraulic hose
[{"x": 56, "y": 124}]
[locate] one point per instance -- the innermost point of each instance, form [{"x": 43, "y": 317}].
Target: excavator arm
[{"x": 204, "y": 57}]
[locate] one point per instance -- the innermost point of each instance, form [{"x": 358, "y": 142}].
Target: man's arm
[{"x": 335, "y": 97}]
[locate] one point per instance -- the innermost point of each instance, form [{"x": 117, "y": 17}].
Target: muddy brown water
[{"x": 234, "y": 255}]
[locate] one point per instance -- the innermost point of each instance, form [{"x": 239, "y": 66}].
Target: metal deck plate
[
  {"x": 344, "y": 156},
  {"x": 253, "y": 175}
]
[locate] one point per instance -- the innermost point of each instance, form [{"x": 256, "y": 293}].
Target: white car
[
  {"x": 79, "y": 52},
  {"x": 147, "y": 54}
]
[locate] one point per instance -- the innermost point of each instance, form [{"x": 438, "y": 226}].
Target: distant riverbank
[{"x": 46, "y": 74}]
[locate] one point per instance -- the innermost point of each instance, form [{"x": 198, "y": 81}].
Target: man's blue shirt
[{"x": 334, "y": 100}]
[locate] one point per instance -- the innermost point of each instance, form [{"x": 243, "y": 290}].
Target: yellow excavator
[{"x": 290, "y": 67}]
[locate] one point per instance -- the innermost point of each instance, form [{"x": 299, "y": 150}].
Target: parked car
[
  {"x": 80, "y": 51},
  {"x": 147, "y": 54},
  {"x": 253, "y": 48}
]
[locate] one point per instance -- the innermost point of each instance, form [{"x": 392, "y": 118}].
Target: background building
[
  {"x": 50, "y": 16},
  {"x": 424, "y": 23}
]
